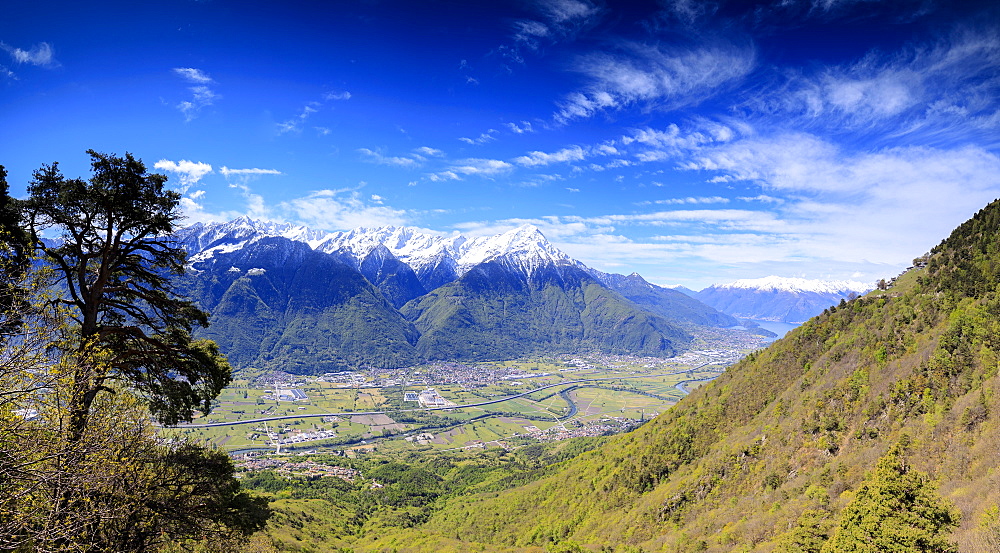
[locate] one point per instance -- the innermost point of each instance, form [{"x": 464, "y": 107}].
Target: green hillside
[
  {"x": 883, "y": 405},
  {"x": 495, "y": 313}
]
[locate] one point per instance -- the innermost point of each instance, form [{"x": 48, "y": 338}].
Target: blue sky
[{"x": 693, "y": 142}]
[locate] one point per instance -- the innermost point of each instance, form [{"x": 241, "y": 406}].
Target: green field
[{"x": 619, "y": 388}]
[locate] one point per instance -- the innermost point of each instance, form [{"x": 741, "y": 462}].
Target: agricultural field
[{"x": 460, "y": 406}]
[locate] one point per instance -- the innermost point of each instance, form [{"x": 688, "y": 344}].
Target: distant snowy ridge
[
  {"x": 789, "y": 300},
  {"x": 524, "y": 247},
  {"x": 786, "y": 284}
]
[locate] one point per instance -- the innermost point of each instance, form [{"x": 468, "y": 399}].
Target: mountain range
[
  {"x": 289, "y": 297},
  {"x": 779, "y": 299}
]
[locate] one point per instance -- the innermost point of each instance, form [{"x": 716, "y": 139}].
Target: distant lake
[{"x": 778, "y": 328}]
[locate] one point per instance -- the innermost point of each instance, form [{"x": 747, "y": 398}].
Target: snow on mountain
[
  {"x": 785, "y": 284},
  {"x": 416, "y": 249},
  {"x": 203, "y": 241},
  {"x": 525, "y": 247},
  {"x": 789, "y": 300}
]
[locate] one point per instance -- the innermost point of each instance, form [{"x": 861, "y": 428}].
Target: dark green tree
[
  {"x": 896, "y": 509},
  {"x": 13, "y": 256},
  {"x": 114, "y": 261},
  {"x": 91, "y": 474}
]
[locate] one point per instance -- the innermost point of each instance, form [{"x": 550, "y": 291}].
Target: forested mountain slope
[
  {"x": 495, "y": 311},
  {"x": 278, "y": 303},
  {"x": 779, "y": 453}
]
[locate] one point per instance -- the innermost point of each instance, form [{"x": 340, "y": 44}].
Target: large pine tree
[{"x": 896, "y": 509}]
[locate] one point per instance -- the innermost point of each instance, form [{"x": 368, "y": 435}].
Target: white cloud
[
  {"x": 193, "y": 75},
  {"x": 377, "y": 157},
  {"x": 860, "y": 205},
  {"x": 40, "y": 54},
  {"x": 528, "y": 31},
  {"x": 483, "y": 138},
  {"x": 227, "y": 172},
  {"x": 524, "y": 127},
  {"x": 691, "y": 200},
  {"x": 201, "y": 95},
  {"x": 689, "y": 11},
  {"x": 428, "y": 151},
  {"x": 572, "y": 153},
  {"x": 295, "y": 124},
  {"x": 337, "y": 95},
  {"x": 934, "y": 90},
  {"x": 189, "y": 172},
  {"x": 479, "y": 166},
  {"x": 568, "y": 11},
  {"x": 654, "y": 76},
  {"x": 339, "y": 210}
]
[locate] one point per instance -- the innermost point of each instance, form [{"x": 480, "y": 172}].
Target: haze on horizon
[{"x": 692, "y": 142}]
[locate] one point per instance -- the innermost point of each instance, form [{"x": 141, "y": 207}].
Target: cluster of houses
[
  {"x": 605, "y": 426},
  {"x": 300, "y": 469},
  {"x": 298, "y": 436}
]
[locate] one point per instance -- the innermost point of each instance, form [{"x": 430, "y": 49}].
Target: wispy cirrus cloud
[
  {"x": 845, "y": 198},
  {"x": 193, "y": 75},
  {"x": 227, "y": 172},
  {"x": 374, "y": 156},
  {"x": 294, "y": 125},
  {"x": 488, "y": 136},
  {"x": 522, "y": 128},
  {"x": 934, "y": 93},
  {"x": 654, "y": 76},
  {"x": 556, "y": 20},
  {"x": 297, "y": 123},
  {"x": 335, "y": 95},
  {"x": 201, "y": 94},
  {"x": 41, "y": 54}
]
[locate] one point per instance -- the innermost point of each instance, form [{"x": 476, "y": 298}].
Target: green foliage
[
  {"x": 895, "y": 509},
  {"x": 811, "y": 531}
]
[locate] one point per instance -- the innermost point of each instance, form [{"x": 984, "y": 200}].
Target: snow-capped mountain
[
  {"x": 785, "y": 284},
  {"x": 285, "y": 296},
  {"x": 773, "y": 298},
  {"x": 525, "y": 247},
  {"x": 203, "y": 241},
  {"x": 435, "y": 259}
]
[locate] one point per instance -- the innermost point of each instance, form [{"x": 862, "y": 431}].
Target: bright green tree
[{"x": 896, "y": 509}]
